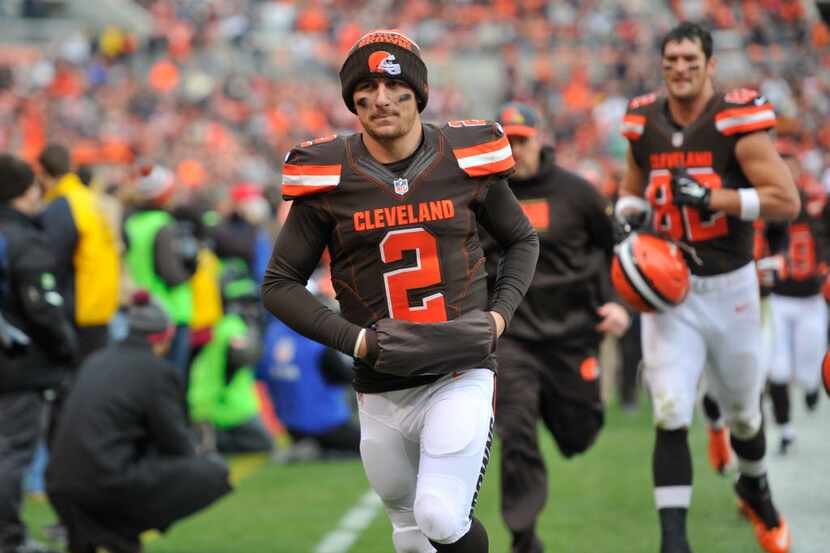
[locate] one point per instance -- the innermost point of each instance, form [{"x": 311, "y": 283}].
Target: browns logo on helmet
[{"x": 649, "y": 273}]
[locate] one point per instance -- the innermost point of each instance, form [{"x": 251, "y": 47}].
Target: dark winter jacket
[{"x": 34, "y": 305}]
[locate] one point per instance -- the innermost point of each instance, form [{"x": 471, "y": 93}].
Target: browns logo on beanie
[{"x": 385, "y": 53}]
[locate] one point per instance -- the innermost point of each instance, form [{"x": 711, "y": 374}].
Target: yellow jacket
[
  {"x": 88, "y": 269},
  {"x": 207, "y": 298}
]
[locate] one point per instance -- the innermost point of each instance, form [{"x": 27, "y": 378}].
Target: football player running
[
  {"x": 398, "y": 207},
  {"x": 770, "y": 240},
  {"x": 799, "y": 310},
  {"x": 548, "y": 357},
  {"x": 704, "y": 161}
]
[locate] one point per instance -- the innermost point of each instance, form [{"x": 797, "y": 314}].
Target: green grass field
[{"x": 598, "y": 503}]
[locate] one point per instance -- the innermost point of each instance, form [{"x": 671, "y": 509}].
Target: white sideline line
[{"x": 353, "y": 523}]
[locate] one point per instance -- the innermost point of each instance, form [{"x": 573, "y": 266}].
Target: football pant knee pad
[
  {"x": 672, "y": 404},
  {"x": 744, "y": 425},
  {"x": 410, "y": 540},
  {"x": 670, "y": 417},
  {"x": 440, "y": 515}
]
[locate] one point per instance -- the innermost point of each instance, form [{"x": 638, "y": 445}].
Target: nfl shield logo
[
  {"x": 401, "y": 186},
  {"x": 677, "y": 139}
]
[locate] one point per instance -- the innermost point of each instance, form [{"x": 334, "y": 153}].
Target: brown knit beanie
[{"x": 389, "y": 54}]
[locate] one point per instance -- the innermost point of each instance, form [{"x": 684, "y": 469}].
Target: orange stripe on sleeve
[
  {"x": 749, "y": 127},
  {"x": 311, "y": 170},
  {"x": 634, "y": 119},
  {"x": 485, "y": 148},
  {"x": 491, "y": 168},
  {"x": 741, "y": 112}
]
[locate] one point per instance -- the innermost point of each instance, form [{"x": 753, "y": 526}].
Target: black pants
[
  {"x": 559, "y": 386},
  {"x": 114, "y": 517},
  {"x": 345, "y": 439},
  {"x": 20, "y": 427},
  {"x": 248, "y": 437},
  {"x": 632, "y": 354}
]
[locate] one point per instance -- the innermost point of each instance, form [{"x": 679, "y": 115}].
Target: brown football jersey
[
  {"x": 808, "y": 250},
  {"x": 706, "y": 150},
  {"x": 403, "y": 238}
]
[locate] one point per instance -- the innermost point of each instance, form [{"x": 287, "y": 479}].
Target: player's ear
[{"x": 711, "y": 65}]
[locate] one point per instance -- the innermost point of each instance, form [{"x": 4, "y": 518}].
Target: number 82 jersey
[{"x": 706, "y": 150}]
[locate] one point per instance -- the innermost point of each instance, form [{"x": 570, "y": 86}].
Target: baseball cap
[
  {"x": 519, "y": 119},
  {"x": 154, "y": 182},
  {"x": 146, "y": 316}
]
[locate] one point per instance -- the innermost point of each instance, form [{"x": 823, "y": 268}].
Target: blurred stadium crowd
[{"x": 219, "y": 91}]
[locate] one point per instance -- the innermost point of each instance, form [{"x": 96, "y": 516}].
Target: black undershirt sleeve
[
  {"x": 501, "y": 215},
  {"x": 296, "y": 254},
  {"x": 601, "y": 229},
  {"x": 601, "y": 223},
  {"x": 778, "y": 237}
]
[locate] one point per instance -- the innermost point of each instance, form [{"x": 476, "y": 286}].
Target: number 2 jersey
[
  {"x": 402, "y": 237},
  {"x": 706, "y": 150}
]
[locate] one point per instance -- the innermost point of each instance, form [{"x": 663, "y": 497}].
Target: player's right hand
[
  {"x": 368, "y": 347},
  {"x": 499, "y": 322}
]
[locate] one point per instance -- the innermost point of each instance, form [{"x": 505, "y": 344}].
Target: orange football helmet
[
  {"x": 825, "y": 372},
  {"x": 649, "y": 273}
]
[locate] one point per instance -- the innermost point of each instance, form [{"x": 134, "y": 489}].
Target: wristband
[
  {"x": 357, "y": 342},
  {"x": 750, "y": 204}
]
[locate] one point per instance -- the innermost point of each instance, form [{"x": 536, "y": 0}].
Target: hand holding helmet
[{"x": 650, "y": 273}]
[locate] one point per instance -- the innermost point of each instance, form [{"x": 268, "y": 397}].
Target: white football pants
[
  {"x": 424, "y": 450},
  {"x": 718, "y": 327},
  {"x": 800, "y": 340}
]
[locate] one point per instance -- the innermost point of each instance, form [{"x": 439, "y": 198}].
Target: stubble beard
[
  {"x": 692, "y": 94},
  {"x": 386, "y": 134},
  {"x": 523, "y": 171},
  {"x": 390, "y": 133}
]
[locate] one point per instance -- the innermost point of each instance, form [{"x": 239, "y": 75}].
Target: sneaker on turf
[
  {"x": 673, "y": 530},
  {"x": 771, "y": 530},
  {"x": 811, "y": 401},
  {"x": 786, "y": 444},
  {"x": 527, "y": 542},
  {"x": 720, "y": 453}
]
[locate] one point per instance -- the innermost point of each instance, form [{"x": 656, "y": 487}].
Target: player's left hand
[
  {"x": 499, "y": 320},
  {"x": 615, "y": 319},
  {"x": 769, "y": 268},
  {"x": 687, "y": 191}
]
